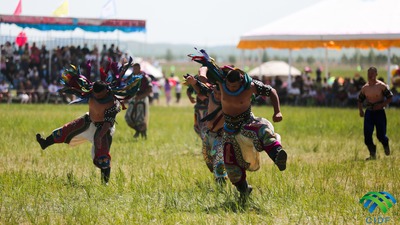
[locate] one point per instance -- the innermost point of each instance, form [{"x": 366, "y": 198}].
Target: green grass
[{"x": 164, "y": 179}]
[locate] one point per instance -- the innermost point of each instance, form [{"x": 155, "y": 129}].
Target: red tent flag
[{"x": 18, "y": 10}]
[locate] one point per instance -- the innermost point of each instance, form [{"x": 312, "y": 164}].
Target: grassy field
[{"x": 164, "y": 180}]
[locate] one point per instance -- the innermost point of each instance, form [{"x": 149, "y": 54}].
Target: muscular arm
[
  {"x": 361, "y": 99},
  {"x": 267, "y": 90},
  {"x": 146, "y": 93},
  {"x": 277, "y": 117},
  {"x": 189, "y": 93},
  {"x": 388, "y": 98},
  {"x": 198, "y": 86}
]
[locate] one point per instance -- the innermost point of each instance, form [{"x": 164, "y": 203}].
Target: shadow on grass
[{"x": 235, "y": 205}]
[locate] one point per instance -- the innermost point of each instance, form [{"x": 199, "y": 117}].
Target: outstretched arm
[
  {"x": 189, "y": 93},
  {"x": 277, "y": 117},
  {"x": 197, "y": 85},
  {"x": 267, "y": 90}
]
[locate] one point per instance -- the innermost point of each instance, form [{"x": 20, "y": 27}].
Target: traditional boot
[
  {"x": 281, "y": 159},
  {"x": 372, "y": 152},
  {"x": 244, "y": 190},
  {"x": 136, "y": 135},
  {"x": 387, "y": 149},
  {"x": 144, "y": 134},
  {"x": 44, "y": 143},
  {"x": 105, "y": 175},
  {"x": 279, "y": 156}
]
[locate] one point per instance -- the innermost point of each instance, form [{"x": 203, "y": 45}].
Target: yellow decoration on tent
[{"x": 62, "y": 10}]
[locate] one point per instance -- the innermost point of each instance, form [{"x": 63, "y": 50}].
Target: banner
[{"x": 45, "y": 23}]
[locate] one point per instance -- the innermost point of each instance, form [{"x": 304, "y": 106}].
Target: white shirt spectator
[{"x": 53, "y": 88}]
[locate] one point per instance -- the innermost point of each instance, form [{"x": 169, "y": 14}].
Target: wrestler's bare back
[{"x": 211, "y": 107}]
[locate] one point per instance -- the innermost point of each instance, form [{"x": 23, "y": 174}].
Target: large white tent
[
  {"x": 332, "y": 24},
  {"x": 273, "y": 69}
]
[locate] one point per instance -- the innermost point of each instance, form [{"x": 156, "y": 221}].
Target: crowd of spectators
[
  {"x": 325, "y": 92},
  {"x": 29, "y": 74}
]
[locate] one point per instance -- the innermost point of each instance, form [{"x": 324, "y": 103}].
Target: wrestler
[
  {"x": 377, "y": 96},
  {"x": 244, "y": 134},
  {"x": 96, "y": 126},
  {"x": 137, "y": 115},
  {"x": 200, "y": 103},
  {"x": 212, "y": 145}
]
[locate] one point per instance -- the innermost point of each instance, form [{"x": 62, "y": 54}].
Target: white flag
[{"x": 109, "y": 9}]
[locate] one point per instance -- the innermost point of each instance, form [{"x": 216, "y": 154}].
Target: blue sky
[{"x": 205, "y": 22}]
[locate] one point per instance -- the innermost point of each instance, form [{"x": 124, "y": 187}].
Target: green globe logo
[{"x": 384, "y": 200}]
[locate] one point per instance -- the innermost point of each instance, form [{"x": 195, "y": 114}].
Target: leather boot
[
  {"x": 372, "y": 152},
  {"x": 44, "y": 143}
]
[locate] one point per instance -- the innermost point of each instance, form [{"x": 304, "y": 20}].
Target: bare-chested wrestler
[
  {"x": 244, "y": 134},
  {"x": 377, "y": 95},
  {"x": 96, "y": 126}
]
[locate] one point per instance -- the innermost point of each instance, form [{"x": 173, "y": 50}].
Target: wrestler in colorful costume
[
  {"x": 244, "y": 135},
  {"x": 137, "y": 115},
  {"x": 96, "y": 126},
  {"x": 200, "y": 110},
  {"x": 211, "y": 134},
  {"x": 212, "y": 140}
]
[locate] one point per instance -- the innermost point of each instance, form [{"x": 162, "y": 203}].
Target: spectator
[
  {"x": 178, "y": 91},
  {"x": 156, "y": 91},
  {"x": 4, "y": 91},
  {"x": 167, "y": 90}
]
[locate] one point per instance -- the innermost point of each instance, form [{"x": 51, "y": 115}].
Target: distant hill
[
  {"x": 180, "y": 52},
  {"x": 160, "y": 50}
]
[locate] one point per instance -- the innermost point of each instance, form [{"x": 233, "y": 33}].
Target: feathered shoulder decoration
[
  {"x": 214, "y": 73},
  {"x": 218, "y": 74},
  {"x": 123, "y": 86}
]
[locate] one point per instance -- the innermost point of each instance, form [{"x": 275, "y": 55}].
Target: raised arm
[{"x": 198, "y": 86}]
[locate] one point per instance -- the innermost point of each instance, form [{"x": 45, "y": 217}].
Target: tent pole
[
  {"x": 290, "y": 70},
  {"x": 326, "y": 63},
  {"x": 388, "y": 67},
  {"x": 242, "y": 58},
  {"x": 259, "y": 63}
]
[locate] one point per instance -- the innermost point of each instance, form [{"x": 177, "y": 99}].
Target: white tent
[
  {"x": 332, "y": 24},
  {"x": 147, "y": 67},
  {"x": 274, "y": 68}
]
